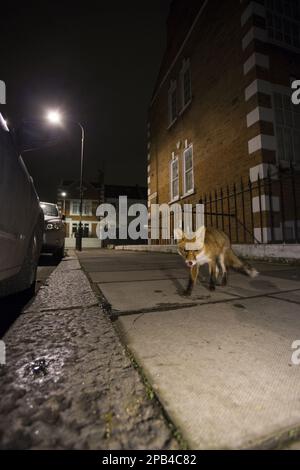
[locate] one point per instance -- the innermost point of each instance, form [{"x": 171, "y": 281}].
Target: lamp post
[
  {"x": 55, "y": 118},
  {"x": 79, "y": 236},
  {"x": 64, "y": 195}
]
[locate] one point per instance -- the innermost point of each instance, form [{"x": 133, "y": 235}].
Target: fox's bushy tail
[{"x": 232, "y": 261}]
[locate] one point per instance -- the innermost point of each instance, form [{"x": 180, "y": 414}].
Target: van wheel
[
  {"x": 29, "y": 270},
  {"x": 24, "y": 281},
  {"x": 59, "y": 254}
]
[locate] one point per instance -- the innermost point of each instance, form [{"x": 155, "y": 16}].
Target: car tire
[
  {"x": 59, "y": 254},
  {"x": 28, "y": 272},
  {"x": 24, "y": 281}
]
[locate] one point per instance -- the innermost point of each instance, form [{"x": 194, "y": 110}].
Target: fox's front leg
[
  {"x": 194, "y": 271},
  {"x": 212, "y": 275}
]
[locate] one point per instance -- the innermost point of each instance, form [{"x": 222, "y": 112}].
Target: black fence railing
[{"x": 264, "y": 211}]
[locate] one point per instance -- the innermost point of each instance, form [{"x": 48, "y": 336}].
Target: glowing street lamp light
[
  {"x": 54, "y": 117},
  {"x": 64, "y": 195}
]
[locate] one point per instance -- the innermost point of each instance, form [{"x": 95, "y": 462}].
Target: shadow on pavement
[
  {"x": 48, "y": 260},
  {"x": 10, "y": 309}
]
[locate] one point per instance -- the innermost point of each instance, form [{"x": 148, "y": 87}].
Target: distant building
[
  {"x": 68, "y": 201},
  {"x": 221, "y": 111},
  {"x": 93, "y": 195}
]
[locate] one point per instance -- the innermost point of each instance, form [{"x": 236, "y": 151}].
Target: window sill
[
  {"x": 176, "y": 199},
  {"x": 189, "y": 193},
  {"x": 185, "y": 107},
  {"x": 171, "y": 124}
]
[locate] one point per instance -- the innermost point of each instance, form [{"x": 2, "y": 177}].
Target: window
[
  {"x": 86, "y": 207},
  {"x": 287, "y": 119},
  {"x": 188, "y": 171},
  {"x": 283, "y": 21},
  {"x": 85, "y": 229},
  {"x": 172, "y": 102},
  {"x": 174, "y": 179},
  {"x": 186, "y": 89},
  {"x": 50, "y": 210}
]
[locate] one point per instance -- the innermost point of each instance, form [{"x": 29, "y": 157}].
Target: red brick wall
[{"x": 215, "y": 122}]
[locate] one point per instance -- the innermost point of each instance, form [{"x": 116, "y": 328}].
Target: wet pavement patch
[{"x": 39, "y": 367}]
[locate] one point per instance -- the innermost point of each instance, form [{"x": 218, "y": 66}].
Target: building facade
[
  {"x": 221, "y": 112},
  {"x": 94, "y": 194},
  {"x": 68, "y": 201}
]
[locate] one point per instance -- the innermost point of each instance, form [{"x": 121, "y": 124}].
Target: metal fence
[{"x": 264, "y": 211}]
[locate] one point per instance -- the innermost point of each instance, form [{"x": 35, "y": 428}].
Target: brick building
[
  {"x": 93, "y": 195},
  {"x": 221, "y": 112}
]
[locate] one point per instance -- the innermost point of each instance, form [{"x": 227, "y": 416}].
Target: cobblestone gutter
[{"x": 68, "y": 383}]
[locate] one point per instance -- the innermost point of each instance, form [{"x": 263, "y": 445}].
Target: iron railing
[{"x": 264, "y": 211}]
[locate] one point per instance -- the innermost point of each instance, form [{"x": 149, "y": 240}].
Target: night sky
[{"x": 97, "y": 62}]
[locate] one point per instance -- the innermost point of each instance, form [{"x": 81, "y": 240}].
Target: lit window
[
  {"x": 75, "y": 207},
  {"x": 283, "y": 21},
  {"x": 86, "y": 207},
  {"x": 188, "y": 170},
  {"x": 172, "y": 102},
  {"x": 287, "y": 118},
  {"x": 174, "y": 179}
]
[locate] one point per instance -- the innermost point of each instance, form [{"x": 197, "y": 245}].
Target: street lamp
[
  {"x": 54, "y": 117},
  {"x": 64, "y": 195}
]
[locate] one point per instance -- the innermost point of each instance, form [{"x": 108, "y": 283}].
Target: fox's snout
[{"x": 190, "y": 263}]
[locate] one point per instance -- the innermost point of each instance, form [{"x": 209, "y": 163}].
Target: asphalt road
[{"x": 12, "y": 306}]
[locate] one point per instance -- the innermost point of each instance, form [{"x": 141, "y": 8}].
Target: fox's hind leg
[
  {"x": 224, "y": 270},
  {"x": 194, "y": 271}
]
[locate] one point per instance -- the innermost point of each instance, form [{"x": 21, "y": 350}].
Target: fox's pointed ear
[
  {"x": 200, "y": 234},
  {"x": 178, "y": 234}
]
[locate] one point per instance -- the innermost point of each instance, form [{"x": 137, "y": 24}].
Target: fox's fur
[{"x": 210, "y": 246}]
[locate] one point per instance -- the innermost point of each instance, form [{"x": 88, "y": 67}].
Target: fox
[{"x": 210, "y": 246}]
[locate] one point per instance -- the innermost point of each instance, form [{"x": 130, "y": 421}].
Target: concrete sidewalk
[{"x": 220, "y": 362}]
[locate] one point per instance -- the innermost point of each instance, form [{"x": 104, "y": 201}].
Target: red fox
[{"x": 210, "y": 246}]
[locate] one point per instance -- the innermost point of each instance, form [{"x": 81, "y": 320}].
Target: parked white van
[{"x": 21, "y": 217}]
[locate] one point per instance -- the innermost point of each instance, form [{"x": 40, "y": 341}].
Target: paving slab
[
  {"x": 262, "y": 285},
  {"x": 135, "y": 296},
  {"x": 220, "y": 362},
  {"x": 143, "y": 275},
  {"x": 293, "y": 297},
  {"x": 223, "y": 373},
  {"x": 136, "y": 290}
]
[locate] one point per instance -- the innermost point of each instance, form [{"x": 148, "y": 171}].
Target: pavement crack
[
  {"x": 195, "y": 304},
  {"x": 284, "y": 300}
]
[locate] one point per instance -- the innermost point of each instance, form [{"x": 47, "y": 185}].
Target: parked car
[
  {"x": 21, "y": 217},
  {"x": 54, "y": 233}
]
